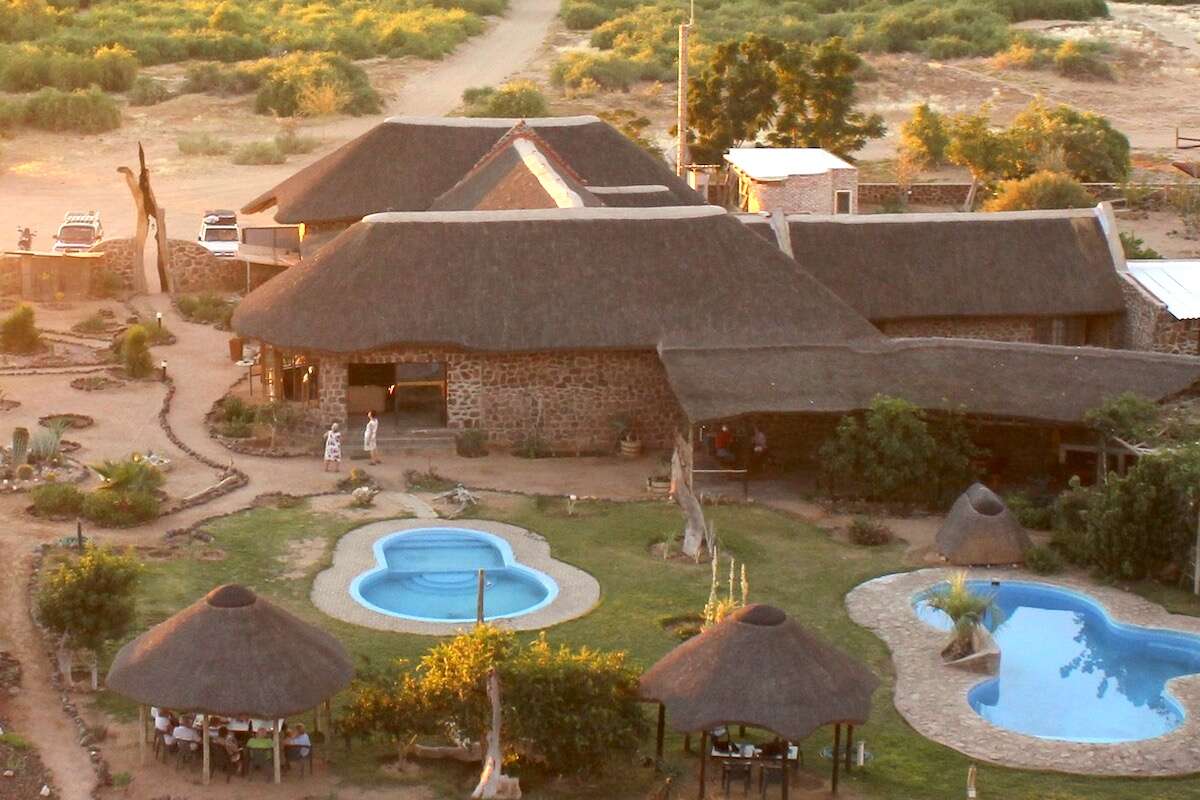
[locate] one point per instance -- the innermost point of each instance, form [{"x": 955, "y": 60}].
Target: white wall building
[{"x": 794, "y": 180}]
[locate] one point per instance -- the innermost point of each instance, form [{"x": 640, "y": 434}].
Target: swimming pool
[
  {"x": 1068, "y": 672},
  {"x": 431, "y": 575}
]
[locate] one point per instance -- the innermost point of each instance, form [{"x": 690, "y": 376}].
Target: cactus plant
[
  {"x": 24, "y": 472},
  {"x": 20, "y": 446}
]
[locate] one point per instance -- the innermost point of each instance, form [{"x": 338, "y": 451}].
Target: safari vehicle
[
  {"x": 219, "y": 233},
  {"x": 78, "y": 232}
]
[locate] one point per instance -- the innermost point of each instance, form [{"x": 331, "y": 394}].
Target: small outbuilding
[
  {"x": 981, "y": 530},
  {"x": 794, "y": 180}
]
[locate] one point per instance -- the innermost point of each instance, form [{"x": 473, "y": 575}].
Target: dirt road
[{"x": 43, "y": 175}]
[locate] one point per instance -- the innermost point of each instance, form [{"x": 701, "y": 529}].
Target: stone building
[
  {"x": 794, "y": 180},
  {"x": 1047, "y": 277},
  {"x": 1163, "y": 302}
]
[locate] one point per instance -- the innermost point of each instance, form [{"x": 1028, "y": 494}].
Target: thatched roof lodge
[
  {"x": 535, "y": 279},
  {"x": 980, "y": 530}
]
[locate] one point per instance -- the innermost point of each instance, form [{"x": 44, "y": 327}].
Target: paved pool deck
[
  {"x": 932, "y": 697},
  {"x": 578, "y": 592}
]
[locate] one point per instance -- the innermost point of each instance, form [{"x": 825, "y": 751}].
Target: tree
[
  {"x": 1135, "y": 247},
  {"x": 986, "y": 153},
  {"x": 278, "y": 416},
  {"x": 924, "y": 136},
  {"x": 633, "y": 125},
  {"x": 966, "y": 609},
  {"x": 733, "y": 97},
  {"x": 1088, "y": 146},
  {"x": 1040, "y": 190},
  {"x": 1126, "y": 416},
  {"x": 816, "y": 97},
  {"x": 90, "y": 602}
]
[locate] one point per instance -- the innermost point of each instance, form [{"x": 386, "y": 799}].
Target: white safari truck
[
  {"x": 219, "y": 233},
  {"x": 78, "y": 232}
]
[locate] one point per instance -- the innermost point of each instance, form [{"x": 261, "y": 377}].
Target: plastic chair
[
  {"x": 188, "y": 755},
  {"x": 262, "y": 758},
  {"x": 220, "y": 760},
  {"x": 295, "y": 754},
  {"x": 732, "y": 771},
  {"x": 771, "y": 774}
]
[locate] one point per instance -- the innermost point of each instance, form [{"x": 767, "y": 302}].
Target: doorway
[{"x": 413, "y": 395}]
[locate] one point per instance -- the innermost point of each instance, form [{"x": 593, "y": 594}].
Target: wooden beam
[
  {"x": 204, "y": 747},
  {"x": 703, "y": 762},
  {"x": 141, "y": 734},
  {"x": 275, "y": 748},
  {"x": 837, "y": 741},
  {"x": 849, "y": 746},
  {"x": 784, "y": 777}
]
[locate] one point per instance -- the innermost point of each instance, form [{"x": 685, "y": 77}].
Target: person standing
[
  {"x": 370, "y": 434},
  {"x": 333, "y": 448}
]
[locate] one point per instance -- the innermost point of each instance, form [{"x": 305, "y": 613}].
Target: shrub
[
  {"x": 237, "y": 429},
  {"x": 1185, "y": 201},
  {"x": 1085, "y": 143},
  {"x": 286, "y": 79},
  {"x": 1043, "y": 560},
  {"x": 57, "y": 500},
  {"x": 290, "y": 142},
  {"x": 924, "y": 135},
  {"x": 1076, "y": 60},
  {"x": 81, "y": 111},
  {"x": 1135, "y": 247},
  {"x": 430, "y": 481},
  {"x": 427, "y": 32},
  {"x": 1033, "y": 513},
  {"x": 96, "y": 323},
  {"x": 119, "y": 509},
  {"x": 582, "y": 16},
  {"x": 869, "y": 532},
  {"x": 116, "y": 68},
  {"x": 254, "y": 153},
  {"x": 46, "y": 443},
  {"x": 608, "y": 71},
  {"x": 222, "y": 79},
  {"x": 1041, "y": 190},
  {"x": 147, "y": 91},
  {"x": 515, "y": 99},
  {"x": 471, "y": 443},
  {"x": 966, "y": 609},
  {"x": 206, "y": 308},
  {"x": 135, "y": 352},
  {"x": 132, "y": 474},
  {"x": 235, "y": 409},
  {"x": 18, "y": 334}
]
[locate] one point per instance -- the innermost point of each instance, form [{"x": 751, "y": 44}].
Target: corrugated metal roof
[
  {"x": 777, "y": 163},
  {"x": 1175, "y": 283}
]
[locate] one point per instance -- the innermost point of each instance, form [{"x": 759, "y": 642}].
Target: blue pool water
[
  {"x": 1069, "y": 672},
  {"x": 431, "y": 575}
]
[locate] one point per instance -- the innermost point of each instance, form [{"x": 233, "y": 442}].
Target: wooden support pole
[
  {"x": 141, "y": 734},
  {"x": 703, "y": 762},
  {"x": 784, "y": 777},
  {"x": 479, "y": 598},
  {"x": 275, "y": 748},
  {"x": 204, "y": 745},
  {"x": 662, "y": 729},
  {"x": 687, "y": 743},
  {"x": 837, "y": 741},
  {"x": 849, "y": 747}
]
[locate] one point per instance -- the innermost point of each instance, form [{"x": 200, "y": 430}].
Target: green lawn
[{"x": 790, "y": 564}]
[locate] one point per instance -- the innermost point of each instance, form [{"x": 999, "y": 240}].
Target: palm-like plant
[{"x": 966, "y": 609}]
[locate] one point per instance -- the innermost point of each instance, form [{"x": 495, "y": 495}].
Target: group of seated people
[
  {"x": 234, "y": 735},
  {"x": 748, "y": 450}
]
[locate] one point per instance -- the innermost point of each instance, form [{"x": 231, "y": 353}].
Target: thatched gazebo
[
  {"x": 231, "y": 653},
  {"x": 760, "y": 668},
  {"x": 980, "y": 530}
]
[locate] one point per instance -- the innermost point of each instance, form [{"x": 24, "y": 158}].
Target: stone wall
[
  {"x": 1149, "y": 326},
  {"x": 191, "y": 267},
  {"x": 1000, "y": 329},
  {"x": 923, "y": 194},
  {"x": 802, "y": 194},
  {"x": 569, "y": 398}
]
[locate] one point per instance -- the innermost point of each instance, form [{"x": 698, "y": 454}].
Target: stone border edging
[
  {"x": 578, "y": 591},
  {"x": 932, "y": 697}
]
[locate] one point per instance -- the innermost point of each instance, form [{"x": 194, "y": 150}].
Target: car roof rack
[{"x": 81, "y": 218}]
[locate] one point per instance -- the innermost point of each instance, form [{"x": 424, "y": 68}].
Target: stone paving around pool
[
  {"x": 932, "y": 697},
  {"x": 578, "y": 592}
]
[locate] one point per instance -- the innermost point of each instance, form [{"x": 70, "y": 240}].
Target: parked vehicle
[
  {"x": 78, "y": 232},
  {"x": 219, "y": 233},
  {"x": 25, "y": 237}
]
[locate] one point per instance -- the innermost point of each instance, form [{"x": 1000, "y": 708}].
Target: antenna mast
[{"x": 681, "y": 121}]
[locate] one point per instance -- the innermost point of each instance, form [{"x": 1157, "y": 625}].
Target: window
[{"x": 841, "y": 204}]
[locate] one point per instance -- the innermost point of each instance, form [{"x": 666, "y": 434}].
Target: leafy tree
[
  {"x": 90, "y": 602},
  {"x": 1039, "y": 191},
  {"x": 279, "y": 417},
  {"x": 1129, "y": 416},
  {"x": 135, "y": 352},
  {"x": 893, "y": 452},
  {"x": 1136, "y": 247},
  {"x": 924, "y": 135},
  {"x": 733, "y": 97},
  {"x": 515, "y": 99},
  {"x": 1089, "y": 147},
  {"x": 816, "y": 97},
  {"x": 986, "y": 153}
]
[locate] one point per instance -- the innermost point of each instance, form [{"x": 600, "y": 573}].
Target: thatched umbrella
[
  {"x": 981, "y": 530},
  {"x": 232, "y": 653},
  {"x": 759, "y": 667}
]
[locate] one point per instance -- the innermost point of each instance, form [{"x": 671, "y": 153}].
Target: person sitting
[
  {"x": 299, "y": 738},
  {"x": 230, "y": 743},
  {"x": 185, "y": 733},
  {"x": 774, "y": 749},
  {"x": 724, "y": 445},
  {"x": 261, "y": 740}
]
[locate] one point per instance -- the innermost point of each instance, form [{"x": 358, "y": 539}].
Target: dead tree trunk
[
  {"x": 141, "y": 232},
  {"x": 147, "y": 208},
  {"x": 694, "y": 529},
  {"x": 492, "y": 783},
  {"x": 163, "y": 248}
]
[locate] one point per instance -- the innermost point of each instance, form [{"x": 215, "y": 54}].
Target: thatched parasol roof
[
  {"x": 981, "y": 530},
  {"x": 1191, "y": 168},
  {"x": 761, "y": 668},
  {"x": 232, "y": 653},
  {"x": 1041, "y": 383},
  {"x": 916, "y": 266}
]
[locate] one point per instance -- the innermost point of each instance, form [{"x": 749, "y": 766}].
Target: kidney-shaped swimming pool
[{"x": 1067, "y": 671}]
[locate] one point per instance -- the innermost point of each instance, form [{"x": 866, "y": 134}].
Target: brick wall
[
  {"x": 1149, "y": 326},
  {"x": 802, "y": 194},
  {"x": 569, "y": 398}
]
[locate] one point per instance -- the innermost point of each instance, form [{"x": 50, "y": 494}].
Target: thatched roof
[
  {"x": 1042, "y": 383},
  {"x": 230, "y": 653},
  {"x": 759, "y": 667},
  {"x": 520, "y": 171},
  {"x": 552, "y": 279},
  {"x": 1191, "y": 168},
  {"x": 980, "y": 530},
  {"x": 905, "y": 266},
  {"x": 405, "y": 163}
]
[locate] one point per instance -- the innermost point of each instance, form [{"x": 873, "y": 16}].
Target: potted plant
[
  {"x": 967, "y": 611},
  {"x": 628, "y": 444}
]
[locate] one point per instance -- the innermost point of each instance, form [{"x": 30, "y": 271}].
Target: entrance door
[{"x": 418, "y": 395}]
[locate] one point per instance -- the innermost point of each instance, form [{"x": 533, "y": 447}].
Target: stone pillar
[{"x": 334, "y": 381}]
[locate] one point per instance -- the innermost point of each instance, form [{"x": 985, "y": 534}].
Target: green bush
[
  {"x": 129, "y": 475},
  {"x": 1033, "y": 513},
  {"x": 116, "y": 68},
  {"x": 237, "y": 429},
  {"x": 869, "y": 532},
  {"x": 114, "y": 509},
  {"x": 81, "y": 111},
  {"x": 1075, "y": 60},
  {"x": 287, "y": 79},
  {"x": 235, "y": 409},
  {"x": 924, "y": 135},
  {"x": 135, "y": 352},
  {"x": 57, "y": 500},
  {"x": 582, "y": 16},
  {"x": 1043, "y": 560},
  {"x": 222, "y": 79},
  {"x": 206, "y": 308},
  {"x": 516, "y": 99},
  {"x": 12, "y": 114},
  {"x": 290, "y": 142},
  {"x": 427, "y": 32},
  {"x": 253, "y": 153},
  {"x": 147, "y": 91},
  {"x": 1135, "y": 247},
  {"x": 18, "y": 333},
  {"x": 203, "y": 144},
  {"x": 608, "y": 71},
  {"x": 1041, "y": 190},
  {"x": 471, "y": 443}
]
